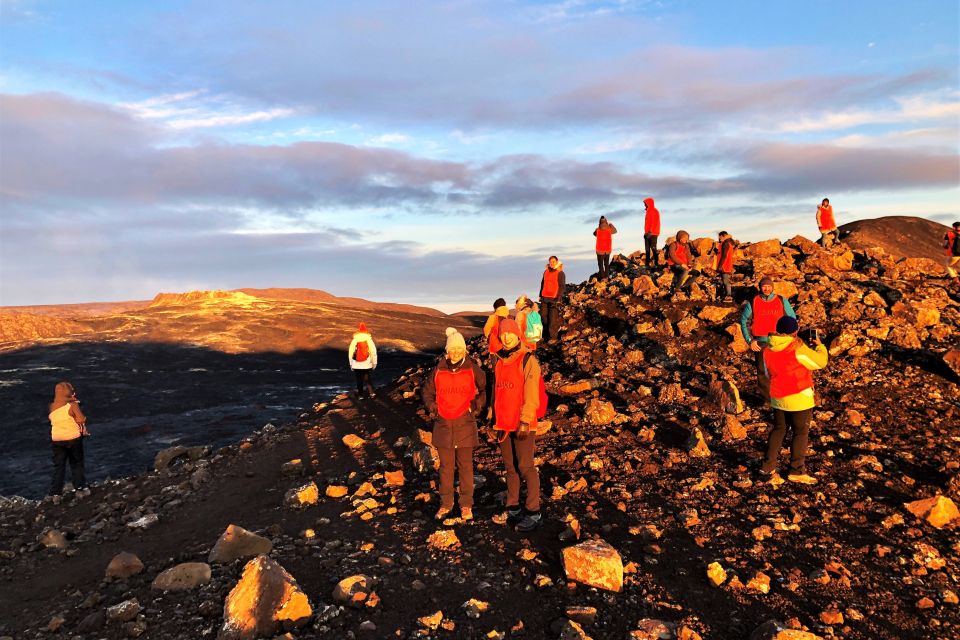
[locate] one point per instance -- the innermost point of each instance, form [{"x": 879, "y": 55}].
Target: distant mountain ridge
[{"x": 899, "y": 236}]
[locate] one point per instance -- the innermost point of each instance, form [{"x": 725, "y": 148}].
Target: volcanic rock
[
  {"x": 353, "y": 441},
  {"x": 265, "y": 601},
  {"x": 594, "y": 563},
  {"x": 354, "y": 590},
  {"x": 772, "y": 630},
  {"x": 652, "y": 629},
  {"x": 394, "y": 478},
  {"x": 732, "y": 429},
  {"x": 600, "y": 412},
  {"x": 570, "y": 630},
  {"x": 124, "y": 565},
  {"x": 302, "y": 496},
  {"x": 443, "y": 539},
  {"x": 696, "y": 445},
  {"x": 765, "y": 248},
  {"x": 167, "y": 457},
  {"x": 54, "y": 539},
  {"x": 938, "y": 511},
  {"x": 238, "y": 543},
  {"x": 124, "y": 611},
  {"x": 182, "y": 577},
  {"x": 716, "y": 574}
]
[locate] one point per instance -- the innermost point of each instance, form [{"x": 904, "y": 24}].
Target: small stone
[
  {"x": 394, "y": 478},
  {"x": 55, "y": 623},
  {"x": 474, "y": 607},
  {"x": 292, "y": 468},
  {"x": 124, "y": 565},
  {"x": 302, "y": 496},
  {"x": 831, "y": 616},
  {"x": 353, "y": 441},
  {"x": 600, "y": 412},
  {"x": 938, "y": 511},
  {"x": 760, "y": 582},
  {"x": 594, "y": 563},
  {"x": 925, "y": 603},
  {"x": 238, "y": 543},
  {"x": 125, "y": 611},
  {"x": 772, "y": 630},
  {"x": 581, "y": 614},
  {"x": 716, "y": 574},
  {"x": 368, "y": 625},
  {"x": 443, "y": 539},
  {"x": 431, "y": 621},
  {"x": 652, "y": 629},
  {"x": 696, "y": 445},
  {"x": 354, "y": 590},
  {"x": 570, "y": 630},
  {"x": 182, "y": 577},
  {"x": 732, "y": 429},
  {"x": 54, "y": 539}
]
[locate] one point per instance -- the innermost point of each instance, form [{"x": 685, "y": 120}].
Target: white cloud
[
  {"x": 389, "y": 138},
  {"x": 909, "y": 109},
  {"x": 226, "y": 120},
  {"x": 197, "y": 110}
]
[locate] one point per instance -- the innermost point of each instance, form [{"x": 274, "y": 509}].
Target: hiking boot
[
  {"x": 530, "y": 522},
  {"x": 443, "y": 513},
  {"x": 466, "y": 514},
  {"x": 802, "y": 478},
  {"x": 82, "y": 493}
]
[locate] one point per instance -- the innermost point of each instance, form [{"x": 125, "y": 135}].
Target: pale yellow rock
[
  {"x": 937, "y": 511},
  {"x": 303, "y": 496},
  {"x": 237, "y": 543},
  {"x": 183, "y": 577},
  {"x": 353, "y": 441},
  {"x": 716, "y": 574}
]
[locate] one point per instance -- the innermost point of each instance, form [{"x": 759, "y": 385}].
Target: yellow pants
[{"x": 950, "y": 262}]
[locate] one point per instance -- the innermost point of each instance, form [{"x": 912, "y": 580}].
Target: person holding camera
[
  {"x": 453, "y": 396},
  {"x": 68, "y": 427},
  {"x": 789, "y": 364}
]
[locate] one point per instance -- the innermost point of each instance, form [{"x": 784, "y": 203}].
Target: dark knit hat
[
  {"x": 766, "y": 280},
  {"x": 499, "y": 302},
  {"x": 787, "y": 325},
  {"x": 509, "y": 325}
]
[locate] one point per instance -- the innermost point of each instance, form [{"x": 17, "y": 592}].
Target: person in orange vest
[
  {"x": 604, "y": 234},
  {"x": 68, "y": 426},
  {"x": 758, "y": 320},
  {"x": 680, "y": 258},
  {"x": 553, "y": 284},
  {"x": 518, "y": 398},
  {"x": 651, "y": 231},
  {"x": 491, "y": 331},
  {"x": 362, "y": 355},
  {"x": 951, "y": 243},
  {"x": 726, "y": 249},
  {"x": 829, "y": 234},
  {"x": 454, "y": 395},
  {"x": 789, "y": 364}
]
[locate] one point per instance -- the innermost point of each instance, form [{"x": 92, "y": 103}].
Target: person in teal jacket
[{"x": 758, "y": 320}]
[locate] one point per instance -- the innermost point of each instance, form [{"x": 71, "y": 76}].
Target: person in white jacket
[{"x": 362, "y": 355}]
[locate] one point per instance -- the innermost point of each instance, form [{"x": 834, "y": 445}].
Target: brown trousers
[
  {"x": 518, "y": 460},
  {"x": 459, "y": 459}
]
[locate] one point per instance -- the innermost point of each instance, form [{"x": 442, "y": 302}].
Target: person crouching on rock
[
  {"x": 680, "y": 258},
  {"x": 68, "y": 426},
  {"x": 362, "y": 355},
  {"x": 453, "y": 396},
  {"x": 518, "y": 399},
  {"x": 789, "y": 364}
]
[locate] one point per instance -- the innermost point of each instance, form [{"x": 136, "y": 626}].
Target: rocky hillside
[
  {"x": 898, "y": 236},
  {"x": 656, "y": 524},
  {"x": 278, "y": 320}
]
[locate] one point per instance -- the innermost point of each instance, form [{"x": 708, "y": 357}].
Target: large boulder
[
  {"x": 765, "y": 248},
  {"x": 236, "y": 543},
  {"x": 265, "y": 602},
  {"x": 594, "y": 563},
  {"x": 937, "y": 511}
]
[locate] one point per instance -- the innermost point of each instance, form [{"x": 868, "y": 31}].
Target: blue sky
[{"x": 438, "y": 152}]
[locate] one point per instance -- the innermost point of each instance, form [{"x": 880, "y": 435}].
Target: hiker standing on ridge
[
  {"x": 829, "y": 234},
  {"x": 454, "y": 395},
  {"x": 723, "y": 263},
  {"x": 604, "y": 234},
  {"x": 553, "y": 284},
  {"x": 951, "y": 243},
  {"x": 789, "y": 363},
  {"x": 680, "y": 257},
  {"x": 530, "y": 323},
  {"x": 519, "y": 399},
  {"x": 362, "y": 355},
  {"x": 491, "y": 331},
  {"x": 758, "y": 320},
  {"x": 68, "y": 426},
  {"x": 651, "y": 231}
]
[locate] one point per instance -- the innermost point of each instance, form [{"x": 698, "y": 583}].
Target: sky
[{"x": 438, "y": 152}]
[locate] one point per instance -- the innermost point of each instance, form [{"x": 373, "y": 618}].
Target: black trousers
[
  {"x": 67, "y": 451},
  {"x": 519, "y": 463},
  {"x": 550, "y": 314},
  {"x": 603, "y": 265},
  {"x": 725, "y": 286},
  {"x": 799, "y": 422},
  {"x": 683, "y": 277},
  {"x": 363, "y": 381},
  {"x": 763, "y": 382},
  {"x": 650, "y": 249}
]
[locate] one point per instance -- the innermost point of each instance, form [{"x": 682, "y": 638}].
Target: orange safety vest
[
  {"x": 508, "y": 394},
  {"x": 493, "y": 340},
  {"x": 455, "y": 391},
  {"x": 765, "y": 315},
  {"x": 787, "y": 375},
  {"x": 951, "y": 237},
  {"x": 825, "y": 218},
  {"x": 551, "y": 283},
  {"x": 604, "y": 240},
  {"x": 682, "y": 253},
  {"x": 727, "y": 265}
]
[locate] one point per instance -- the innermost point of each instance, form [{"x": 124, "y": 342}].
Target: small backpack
[
  {"x": 534, "y": 332},
  {"x": 362, "y": 352}
]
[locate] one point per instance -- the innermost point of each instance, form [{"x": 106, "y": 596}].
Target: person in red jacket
[
  {"x": 951, "y": 243},
  {"x": 553, "y": 284},
  {"x": 829, "y": 234},
  {"x": 651, "y": 231},
  {"x": 517, "y": 399},
  {"x": 723, "y": 264},
  {"x": 604, "y": 234},
  {"x": 453, "y": 396}
]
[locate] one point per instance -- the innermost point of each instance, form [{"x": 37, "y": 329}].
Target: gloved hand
[{"x": 523, "y": 432}]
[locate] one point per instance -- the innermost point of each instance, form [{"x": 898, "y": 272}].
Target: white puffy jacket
[{"x": 369, "y": 363}]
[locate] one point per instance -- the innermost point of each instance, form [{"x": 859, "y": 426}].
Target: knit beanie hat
[
  {"x": 509, "y": 325},
  {"x": 787, "y": 325},
  {"x": 363, "y": 328},
  {"x": 455, "y": 340},
  {"x": 766, "y": 280}
]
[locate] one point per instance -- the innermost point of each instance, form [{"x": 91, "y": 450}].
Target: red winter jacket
[{"x": 651, "y": 221}]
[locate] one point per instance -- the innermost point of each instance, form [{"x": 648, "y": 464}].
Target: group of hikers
[{"x": 508, "y": 392}]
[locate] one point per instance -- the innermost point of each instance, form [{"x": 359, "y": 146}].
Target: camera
[{"x": 809, "y": 336}]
